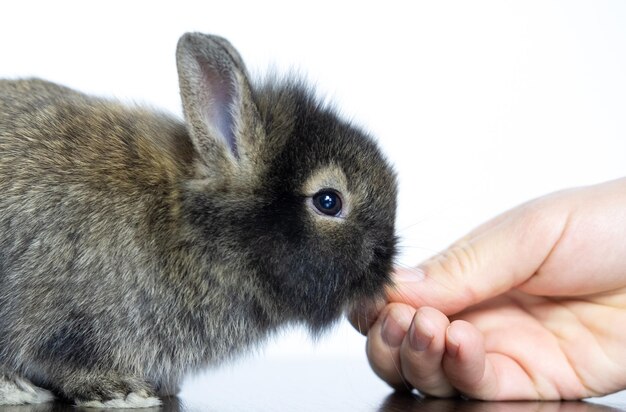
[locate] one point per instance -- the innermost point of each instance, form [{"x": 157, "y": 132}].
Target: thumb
[{"x": 499, "y": 255}]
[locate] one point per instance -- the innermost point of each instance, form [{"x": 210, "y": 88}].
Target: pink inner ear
[{"x": 218, "y": 95}]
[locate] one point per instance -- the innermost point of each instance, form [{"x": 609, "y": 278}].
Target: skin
[{"x": 530, "y": 305}]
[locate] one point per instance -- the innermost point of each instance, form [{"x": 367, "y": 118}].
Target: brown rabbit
[{"x": 135, "y": 248}]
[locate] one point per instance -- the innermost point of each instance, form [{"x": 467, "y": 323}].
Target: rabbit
[{"x": 136, "y": 248}]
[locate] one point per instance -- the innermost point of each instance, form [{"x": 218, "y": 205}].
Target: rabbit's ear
[{"x": 216, "y": 98}]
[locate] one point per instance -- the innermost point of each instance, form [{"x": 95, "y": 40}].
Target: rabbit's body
[
  {"x": 135, "y": 248},
  {"x": 92, "y": 219}
]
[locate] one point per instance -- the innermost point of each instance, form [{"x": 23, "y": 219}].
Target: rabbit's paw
[
  {"x": 18, "y": 391},
  {"x": 110, "y": 391},
  {"x": 133, "y": 400}
]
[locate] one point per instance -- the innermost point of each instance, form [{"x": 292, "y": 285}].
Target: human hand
[{"x": 530, "y": 305}]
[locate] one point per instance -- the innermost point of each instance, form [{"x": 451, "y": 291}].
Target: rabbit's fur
[{"x": 135, "y": 248}]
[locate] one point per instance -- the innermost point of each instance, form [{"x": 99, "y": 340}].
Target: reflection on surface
[
  {"x": 317, "y": 384},
  {"x": 169, "y": 405},
  {"x": 407, "y": 402},
  {"x": 396, "y": 402}
]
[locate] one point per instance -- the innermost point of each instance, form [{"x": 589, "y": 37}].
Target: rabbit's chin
[{"x": 322, "y": 318}]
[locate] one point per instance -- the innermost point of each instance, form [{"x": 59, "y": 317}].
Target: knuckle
[
  {"x": 537, "y": 215},
  {"x": 456, "y": 268},
  {"x": 460, "y": 259}
]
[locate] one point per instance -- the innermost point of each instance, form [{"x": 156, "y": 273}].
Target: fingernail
[
  {"x": 409, "y": 275},
  {"x": 420, "y": 335},
  {"x": 392, "y": 332}
]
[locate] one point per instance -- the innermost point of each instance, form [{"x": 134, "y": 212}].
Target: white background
[{"x": 480, "y": 105}]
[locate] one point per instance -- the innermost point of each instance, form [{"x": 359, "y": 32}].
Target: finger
[
  {"x": 480, "y": 375},
  {"x": 489, "y": 261},
  {"x": 422, "y": 352},
  {"x": 384, "y": 340},
  {"x": 364, "y": 314}
]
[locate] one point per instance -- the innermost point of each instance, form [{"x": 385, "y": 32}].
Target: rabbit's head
[{"x": 295, "y": 197}]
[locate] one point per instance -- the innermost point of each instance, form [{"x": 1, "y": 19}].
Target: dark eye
[{"x": 327, "y": 202}]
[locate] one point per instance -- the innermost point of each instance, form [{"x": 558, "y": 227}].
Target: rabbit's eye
[{"x": 328, "y": 202}]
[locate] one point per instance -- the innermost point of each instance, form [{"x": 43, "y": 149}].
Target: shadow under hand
[{"x": 410, "y": 402}]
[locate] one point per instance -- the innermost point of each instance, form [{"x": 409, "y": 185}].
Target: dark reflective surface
[{"x": 320, "y": 384}]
